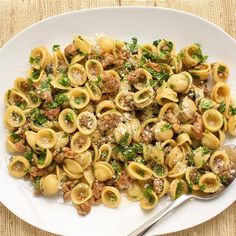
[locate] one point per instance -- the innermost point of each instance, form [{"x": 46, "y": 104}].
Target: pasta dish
[{"x": 97, "y": 119}]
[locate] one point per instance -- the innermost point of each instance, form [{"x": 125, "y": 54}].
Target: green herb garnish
[
  {"x": 29, "y": 155},
  {"x": 124, "y": 140},
  {"x": 179, "y": 189},
  {"x": 159, "y": 170},
  {"x": 55, "y": 47},
  {"x": 222, "y": 107},
  {"x": 41, "y": 158},
  {"x": 166, "y": 127},
  {"x": 80, "y": 100},
  {"x": 36, "y": 182},
  {"x": 202, "y": 187},
  {"x": 221, "y": 69},
  {"x": 69, "y": 117},
  {"x": 64, "y": 81},
  {"x": 16, "y": 137},
  {"x": 37, "y": 117},
  {"x": 133, "y": 47},
  {"x": 148, "y": 193},
  {"x": 232, "y": 110},
  {"x": 34, "y": 60},
  {"x": 156, "y": 42},
  {"x": 206, "y": 104},
  {"x": 197, "y": 55}
]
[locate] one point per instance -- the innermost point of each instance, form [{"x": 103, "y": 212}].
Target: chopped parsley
[
  {"x": 148, "y": 55},
  {"x": 204, "y": 150},
  {"x": 221, "y": 69},
  {"x": 156, "y": 42},
  {"x": 222, "y": 107},
  {"x": 148, "y": 194},
  {"x": 129, "y": 66},
  {"x": 113, "y": 197},
  {"x": 232, "y": 110},
  {"x": 202, "y": 187},
  {"x": 169, "y": 46},
  {"x": 64, "y": 81},
  {"x": 129, "y": 152},
  {"x": 36, "y": 182},
  {"x": 166, "y": 127},
  {"x": 206, "y": 104},
  {"x": 133, "y": 47},
  {"x": 124, "y": 140},
  {"x": 16, "y": 137},
  {"x": 34, "y": 75},
  {"x": 37, "y": 117},
  {"x": 29, "y": 155},
  {"x": 69, "y": 117},
  {"x": 197, "y": 55},
  {"x": 34, "y": 60},
  {"x": 55, "y": 47},
  {"x": 190, "y": 160},
  {"x": 41, "y": 158},
  {"x": 159, "y": 170},
  {"x": 160, "y": 76},
  {"x": 116, "y": 167},
  {"x": 59, "y": 99},
  {"x": 80, "y": 99},
  {"x": 140, "y": 172},
  {"x": 97, "y": 82},
  {"x": 45, "y": 84},
  {"x": 224, "y": 179},
  {"x": 179, "y": 189}
]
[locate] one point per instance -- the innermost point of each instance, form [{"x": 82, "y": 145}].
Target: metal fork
[{"x": 231, "y": 151}]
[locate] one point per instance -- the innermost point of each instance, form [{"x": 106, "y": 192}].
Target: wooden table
[{"x": 15, "y": 15}]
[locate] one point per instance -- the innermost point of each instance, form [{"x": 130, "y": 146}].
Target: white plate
[{"x": 122, "y": 23}]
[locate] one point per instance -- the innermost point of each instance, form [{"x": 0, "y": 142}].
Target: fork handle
[{"x": 157, "y": 218}]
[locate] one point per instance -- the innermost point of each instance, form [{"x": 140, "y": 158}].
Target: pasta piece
[
  {"x": 219, "y": 162},
  {"x": 124, "y": 100},
  {"x": 72, "y": 169},
  {"x": 183, "y": 139},
  {"x": 44, "y": 159},
  {"x": 143, "y": 97},
  {"x": 180, "y": 83},
  {"x": 104, "y": 152},
  {"x": 62, "y": 139},
  {"x": 93, "y": 69},
  {"x": 212, "y": 120},
  {"x": 89, "y": 177},
  {"x": 159, "y": 170},
  {"x": 200, "y": 156},
  {"x": 188, "y": 109},
  {"x": 220, "y": 92},
  {"x": 49, "y": 185},
  {"x": 18, "y": 166},
  {"x": 102, "y": 171},
  {"x": 178, "y": 187},
  {"x": 201, "y": 71},
  {"x": 178, "y": 170},
  {"x": 111, "y": 197},
  {"x": 61, "y": 82},
  {"x": 232, "y": 125},
  {"x": 46, "y": 138},
  {"x": 176, "y": 62},
  {"x": 40, "y": 57},
  {"x": 14, "y": 116},
  {"x": 138, "y": 171},
  {"x": 134, "y": 192},
  {"x": 86, "y": 122},
  {"x": 161, "y": 186},
  {"x": 163, "y": 131},
  {"x": 210, "y": 140},
  {"x": 209, "y": 183},
  {"x": 220, "y": 72},
  {"x": 78, "y": 98},
  {"x": 59, "y": 62},
  {"x": 105, "y": 43},
  {"x": 174, "y": 156},
  {"x": 77, "y": 75},
  {"x": 81, "y": 193},
  {"x": 191, "y": 55},
  {"x": 94, "y": 91},
  {"x": 165, "y": 49},
  {"x": 80, "y": 142},
  {"x": 165, "y": 95},
  {"x": 104, "y": 106},
  {"x": 192, "y": 176},
  {"x": 84, "y": 159},
  {"x": 135, "y": 127},
  {"x": 18, "y": 99},
  {"x": 149, "y": 200},
  {"x": 82, "y": 45}
]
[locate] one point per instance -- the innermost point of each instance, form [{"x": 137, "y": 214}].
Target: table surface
[{"x": 15, "y": 15}]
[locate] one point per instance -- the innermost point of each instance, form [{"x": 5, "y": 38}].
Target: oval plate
[{"x": 147, "y": 24}]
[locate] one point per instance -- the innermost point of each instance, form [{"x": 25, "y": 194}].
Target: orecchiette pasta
[{"x": 97, "y": 119}]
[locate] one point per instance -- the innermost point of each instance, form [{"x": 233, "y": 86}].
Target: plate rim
[{"x": 30, "y": 27}]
